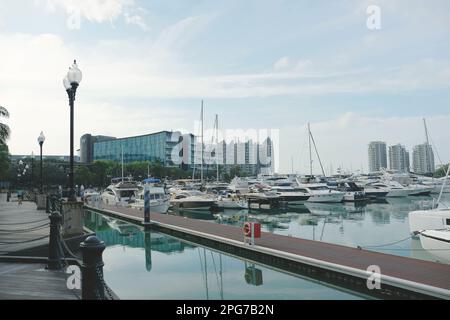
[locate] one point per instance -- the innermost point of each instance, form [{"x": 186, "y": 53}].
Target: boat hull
[{"x": 437, "y": 243}]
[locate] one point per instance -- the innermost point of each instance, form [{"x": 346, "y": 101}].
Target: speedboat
[
  {"x": 192, "y": 199},
  {"x": 320, "y": 192},
  {"x": 352, "y": 193},
  {"x": 120, "y": 191},
  {"x": 376, "y": 192},
  {"x": 229, "y": 201},
  {"x": 420, "y": 190},
  {"x": 396, "y": 190},
  {"x": 291, "y": 194},
  {"x": 159, "y": 199}
]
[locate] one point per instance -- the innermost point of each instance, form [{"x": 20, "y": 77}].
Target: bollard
[
  {"x": 146, "y": 206},
  {"x": 47, "y": 204},
  {"x": 54, "y": 246},
  {"x": 92, "y": 284}
]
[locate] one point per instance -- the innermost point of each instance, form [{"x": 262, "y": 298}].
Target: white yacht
[
  {"x": 227, "y": 201},
  {"x": 320, "y": 192},
  {"x": 159, "y": 199},
  {"x": 191, "y": 200},
  {"x": 291, "y": 195},
  {"x": 352, "y": 193},
  {"x": 375, "y": 192},
  {"x": 120, "y": 191},
  {"x": 420, "y": 190},
  {"x": 396, "y": 190}
]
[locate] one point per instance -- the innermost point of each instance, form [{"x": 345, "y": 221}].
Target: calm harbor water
[{"x": 151, "y": 265}]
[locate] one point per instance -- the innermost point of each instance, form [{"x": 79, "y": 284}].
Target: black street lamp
[
  {"x": 32, "y": 167},
  {"x": 71, "y": 82},
  {"x": 41, "y": 140}
]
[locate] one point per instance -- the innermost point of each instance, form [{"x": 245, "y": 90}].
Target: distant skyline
[{"x": 258, "y": 64}]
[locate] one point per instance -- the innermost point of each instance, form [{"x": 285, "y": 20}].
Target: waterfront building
[
  {"x": 87, "y": 146},
  {"x": 377, "y": 156},
  {"x": 174, "y": 149},
  {"x": 423, "y": 159},
  {"x": 399, "y": 158},
  {"x": 155, "y": 147}
]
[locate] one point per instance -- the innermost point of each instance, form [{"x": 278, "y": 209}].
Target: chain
[{"x": 105, "y": 286}]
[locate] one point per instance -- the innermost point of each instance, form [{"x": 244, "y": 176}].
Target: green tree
[
  {"x": 441, "y": 172},
  {"x": 4, "y": 129}
]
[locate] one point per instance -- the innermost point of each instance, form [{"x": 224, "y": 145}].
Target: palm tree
[{"x": 4, "y": 129}]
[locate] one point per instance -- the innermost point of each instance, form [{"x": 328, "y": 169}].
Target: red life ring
[{"x": 247, "y": 229}]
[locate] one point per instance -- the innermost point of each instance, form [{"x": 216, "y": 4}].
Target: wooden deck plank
[{"x": 33, "y": 281}]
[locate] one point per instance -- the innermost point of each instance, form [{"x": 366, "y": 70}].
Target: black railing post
[
  {"x": 92, "y": 284},
  {"x": 54, "y": 246}
]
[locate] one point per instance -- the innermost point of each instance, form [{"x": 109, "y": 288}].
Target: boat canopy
[{"x": 151, "y": 180}]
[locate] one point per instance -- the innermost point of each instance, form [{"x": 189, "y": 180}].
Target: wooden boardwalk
[
  {"x": 424, "y": 277},
  {"x": 21, "y": 226},
  {"x": 29, "y": 281}
]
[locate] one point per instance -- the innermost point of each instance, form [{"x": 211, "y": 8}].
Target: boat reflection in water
[{"x": 145, "y": 264}]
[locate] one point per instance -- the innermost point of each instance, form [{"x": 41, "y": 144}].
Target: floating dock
[{"x": 335, "y": 265}]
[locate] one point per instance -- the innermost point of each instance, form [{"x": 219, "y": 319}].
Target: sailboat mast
[
  {"x": 310, "y": 153},
  {"x": 217, "y": 146},
  {"x": 317, "y": 152},
  {"x": 201, "y": 166}
]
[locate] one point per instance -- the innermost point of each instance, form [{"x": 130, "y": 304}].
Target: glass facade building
[{"x": 155, "y": 147}]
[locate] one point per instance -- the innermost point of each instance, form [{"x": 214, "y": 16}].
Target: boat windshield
[
  {"x": 126, "y": 193},
  {"x": 323, "y": 188}
]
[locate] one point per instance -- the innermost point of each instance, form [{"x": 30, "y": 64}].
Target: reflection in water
[{"x": 174, "y": 269}]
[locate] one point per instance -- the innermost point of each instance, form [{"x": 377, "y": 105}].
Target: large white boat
[
  {"x": 159, "y": 199},
  {"x": 420, "y": 190},
  {"x": 435, "y": 219},
  {"x": 396, "y": 190},
  {"x": 191, "y": 200},
  {"x": 291, "y": 195},
  {"x": 320, "y": 192},
  {"x": 227, "y": 201},
  {"x": 120, "y": 192}
]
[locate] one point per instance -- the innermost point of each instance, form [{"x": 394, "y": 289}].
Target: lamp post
[
  {"x": 32, "y": 168},
  {"x": 71, "y": 82},
  {"x": 41, "y": 140}
]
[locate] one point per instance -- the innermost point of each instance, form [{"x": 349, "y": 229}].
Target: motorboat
[
  {"x": 320, "y": 192},
  {"x": 120, "y": 192},
  {"x": 192, "y": 199},
  {"x": 230, "y": 201},
  {"x": 159, "y": 199},
  {"x": 376, "y": 192},
  {"x": 291, "y": 195},
  {"x": 420, "y": 190},
  {"x": 239, "y": 186},
  {"x": 352, "y": 193},
  {"x": 396, "y": 190}
]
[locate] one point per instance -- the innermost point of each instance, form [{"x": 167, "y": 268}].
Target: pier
[
  {"x": 335, "y": 265},
  {"x": 25, "y": 250}
]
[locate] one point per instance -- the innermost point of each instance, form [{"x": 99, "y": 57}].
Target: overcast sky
[{"x": 258, "y": 64}]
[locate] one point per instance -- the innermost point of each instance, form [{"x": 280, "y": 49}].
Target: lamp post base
[{"x": 41, "y": 201}]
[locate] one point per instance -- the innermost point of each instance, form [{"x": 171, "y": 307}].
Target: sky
[{"x": 258, "y": 64}]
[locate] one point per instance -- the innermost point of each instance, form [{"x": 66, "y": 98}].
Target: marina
[{"x": 327, "y": 256}]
